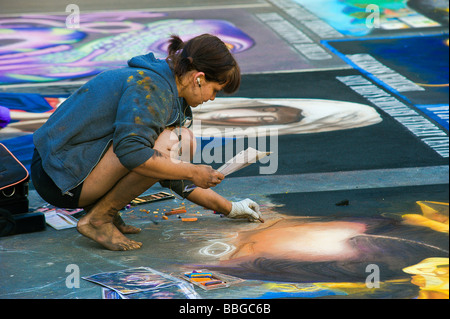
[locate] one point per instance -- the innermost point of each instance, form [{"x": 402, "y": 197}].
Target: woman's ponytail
[{"x": 175, "y": 44}]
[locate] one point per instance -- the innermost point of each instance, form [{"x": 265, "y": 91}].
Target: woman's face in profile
[
  {"x": 286, "y": 116},
  {"x": 313, "y": 241}
]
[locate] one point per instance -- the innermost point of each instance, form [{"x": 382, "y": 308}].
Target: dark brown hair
[{"x": 205, "y": 53}]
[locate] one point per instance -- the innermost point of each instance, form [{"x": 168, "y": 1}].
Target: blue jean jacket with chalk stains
[{"x": 128, "y": 106}]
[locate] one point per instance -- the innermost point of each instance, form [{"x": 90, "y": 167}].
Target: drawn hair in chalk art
[
  {"x": 39, "y": 48},
  {"x": 254, "y": 117},
  {"x": 349, "y": 17}
]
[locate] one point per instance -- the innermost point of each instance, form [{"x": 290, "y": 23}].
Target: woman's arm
[
  {"x": 162, "y": 166},
  {"x": 210, "y": 200}
]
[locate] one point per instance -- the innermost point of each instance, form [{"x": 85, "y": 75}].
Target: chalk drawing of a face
[
  {"x": 313, "y": 241},
  {"x": 312, "y": 249},
  {"x": 142, "y": 280},
  {"x": 285, "y": 116}
]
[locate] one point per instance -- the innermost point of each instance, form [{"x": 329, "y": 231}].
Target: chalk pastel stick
[
  {"x": 174, "y": 212},
  {"x": 199, "y": 275},
  {"x": 212, "y": 282},
  {"x": 200, "y": 280}
]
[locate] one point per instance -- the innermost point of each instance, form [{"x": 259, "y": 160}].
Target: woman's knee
[{"x": 170, "y": 143}]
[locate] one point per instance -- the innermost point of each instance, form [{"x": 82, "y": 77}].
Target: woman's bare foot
[
  {"x": 124, "y": 228},
  {"x": 106, "y": 234},
  {"x": 119, "y": 223}
]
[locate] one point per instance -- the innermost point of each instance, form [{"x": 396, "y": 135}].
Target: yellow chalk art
[
  {"x": 431, "y": 276},
  {"x": 434, "y": 216}
]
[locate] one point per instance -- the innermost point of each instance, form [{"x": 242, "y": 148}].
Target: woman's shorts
[{"x": 48, "y": 190}]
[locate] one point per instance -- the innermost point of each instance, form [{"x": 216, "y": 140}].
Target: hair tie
[{"x": 191, "y": 60}]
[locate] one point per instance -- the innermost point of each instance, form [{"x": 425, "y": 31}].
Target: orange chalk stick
[
  {"x": 189, "y": 219},
  {"x": 174, "y": 212},
  {"x": 200, "y": 279},
  {"x": 178, "y": 211}
]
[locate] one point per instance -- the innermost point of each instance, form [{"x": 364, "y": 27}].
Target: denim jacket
[{"x": 128, "y": 107}]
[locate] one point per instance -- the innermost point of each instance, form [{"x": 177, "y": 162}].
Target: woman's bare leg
[
  {"x": 99, "y": 225},
  {"x": 109, "y": 188}
]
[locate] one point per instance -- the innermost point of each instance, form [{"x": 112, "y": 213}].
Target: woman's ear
[{"x": 199, "y": 78}]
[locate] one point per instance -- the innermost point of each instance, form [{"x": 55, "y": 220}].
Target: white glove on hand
[{"x": 245, "y": 209}]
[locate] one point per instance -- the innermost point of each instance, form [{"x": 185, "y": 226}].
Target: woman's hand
[
  {"x": 205, "y": 176},
  {"x": 245, "y": 209}
]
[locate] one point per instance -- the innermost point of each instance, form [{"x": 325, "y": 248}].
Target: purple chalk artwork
[{"x": 39, "y": 48}]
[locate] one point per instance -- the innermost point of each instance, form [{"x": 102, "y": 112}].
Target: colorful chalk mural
[
  {"x": 22, "y": 114},
  {"x": 333, "y": 257},
  {"x": 415, "y": 68},
  {"x": 352, "y": 17},
  {"x": 280, "y": 116},
  {"x": 398, "y": 250},
  {"x": 40, "y": 48}
]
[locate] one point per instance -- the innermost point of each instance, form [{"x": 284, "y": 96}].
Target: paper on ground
[
  {"x": 142, "y": 283},
  {"x": 60, "y": 220}
]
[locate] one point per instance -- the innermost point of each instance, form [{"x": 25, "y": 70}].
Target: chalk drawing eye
[
  {"x": 217, "y": 249},
  {"x": 268, "y": 119}
]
